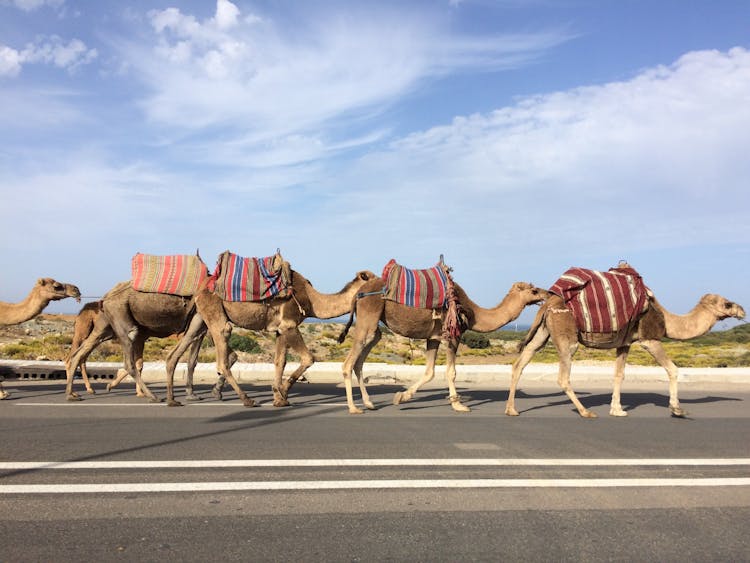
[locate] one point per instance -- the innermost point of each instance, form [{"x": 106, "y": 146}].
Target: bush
[
  {"x": 242, "y": 343},
  {"x": 475, "y": 340}
]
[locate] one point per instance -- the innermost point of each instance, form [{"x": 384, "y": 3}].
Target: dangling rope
[{"x": 452, "y": 325}]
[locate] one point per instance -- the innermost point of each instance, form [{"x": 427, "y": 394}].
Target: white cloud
[
  {"x": 226, "y": 14},
  {"x": 51, "y": 50},
  {"x": 54, "y": 51},
  {"x": 31, "y": 5},
  {"x": 247, "y": 72},
  {"x": 10, "y": 61}
]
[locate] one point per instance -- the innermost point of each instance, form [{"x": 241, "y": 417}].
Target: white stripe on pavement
[
  {"x": 406, "y": 462},
  {"x": 370, "y": 484}
]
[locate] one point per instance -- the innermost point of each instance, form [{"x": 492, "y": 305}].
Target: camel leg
[
  {"x": 132, "y": 350},
  {"x": 3, "y": 393},
  {"x": 220, "y": 332},
  {"x": 279, "y": 364},
  {"x": 429, "y": 373},
  {"x": 295, "y": 342},
  {"x": 532, "y": 347},
  {"x": 359, "y": 364},
  {"x": 615, "y": 408},
  {"x": 85, "y": 376},
  {"x": 655, "y": 348},
  {"x": 566, "y": 350},
  {"x": 365, "y": 332},
  {"x": 450, "y": 375},
  {"x": 194, "y": 352},
  {"x": 101, "y": 332},
  {"x": 121, "y": 374},
  {"x": 191, "y": 339}
]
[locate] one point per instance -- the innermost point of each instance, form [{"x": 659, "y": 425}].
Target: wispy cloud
[
  {"x": 31, "y": 5},
  {"x": 51, "y": 50},
  {"x": 254, "y": 78}
]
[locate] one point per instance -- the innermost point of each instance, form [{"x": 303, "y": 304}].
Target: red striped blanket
[
  {"x": 179, "y": 274},
  {"x": 251, "y": 279},
  {"x": 426, "y": 289},
  {"x": 602, "y": 302}
]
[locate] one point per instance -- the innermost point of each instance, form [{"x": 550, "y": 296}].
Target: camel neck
[
  {"x": 487, "y": 320},
  {"x": 16, "y": 313},
  {"x": 328, "y": 305},
  {"x": 695, "y": 323}
]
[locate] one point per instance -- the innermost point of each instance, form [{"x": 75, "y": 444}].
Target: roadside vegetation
[{"x": 50, "y": 338}]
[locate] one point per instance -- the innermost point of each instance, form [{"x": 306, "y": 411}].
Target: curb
[{"x": 381, "y": 373}]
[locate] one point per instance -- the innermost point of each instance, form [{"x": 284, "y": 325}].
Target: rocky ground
[{"x": 48, "y": 337}]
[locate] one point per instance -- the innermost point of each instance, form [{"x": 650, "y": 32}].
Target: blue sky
[{"x": 515, "y": 137}]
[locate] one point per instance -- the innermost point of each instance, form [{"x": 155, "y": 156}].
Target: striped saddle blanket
[
  {"x": 252, "y": 279},
  {"x": 602, "y": 302},
  {"x": 179, "y": 274},
  {"x": 426, "y": 289}
]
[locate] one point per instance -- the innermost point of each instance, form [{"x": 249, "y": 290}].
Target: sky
[{"x": 516, "y": 138}]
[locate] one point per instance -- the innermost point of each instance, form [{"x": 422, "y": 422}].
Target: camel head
[
  {"x": 52, "y": 290},
  {"x": 722, "y": 308},
  {"x": 530, "y": 294}
]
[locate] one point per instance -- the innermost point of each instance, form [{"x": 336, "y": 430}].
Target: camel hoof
[
  {"x": 589, "y": 414},
  {"x": 173, "y": 403},
  {"x": 108, "y": 388},
  {"x": 460, "y": 407},
  {"x": 400, "y": 397},
  {"x": 617, "y": 412},
  {"x": 510, "y": 411},
  {"x": 193, "y": 397},
  {"x": 677, "y": 412},
  {"x": 355, "y": 410},
  {"x": 74, "y": 397},
  {"x": 217, "y": 394},
  {"x": 91, "y": 391},
  {"x": 248, "y": 402},
  {"x": 4, "y": 395},
  {"x": 155, "y": 399},
  {"x": 370, "y": 406},
  {"x": 280, "y": 403}
]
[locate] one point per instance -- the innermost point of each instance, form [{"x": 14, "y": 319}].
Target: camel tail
[
  {"x": 344, "y": 332},
  {"x": 538, "y": 320}
]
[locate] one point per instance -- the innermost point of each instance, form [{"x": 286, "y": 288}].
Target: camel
[
  {"x": 45, "y": 290},
  {"x": 82, "y": 327},
  {"x": 413, "y": 322},
  {"x": 280, "y": 315},
  {"x": 133, "y": 317},
  {"x": 555, "y": 321}
]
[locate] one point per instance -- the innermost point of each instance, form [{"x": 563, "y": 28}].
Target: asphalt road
[{"x": 114, "y": 478}]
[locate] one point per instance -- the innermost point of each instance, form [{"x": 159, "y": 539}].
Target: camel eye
[{"x": 727, "y": 305}]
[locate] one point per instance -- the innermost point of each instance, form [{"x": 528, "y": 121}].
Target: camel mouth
[{"x": 74, "y": 292}]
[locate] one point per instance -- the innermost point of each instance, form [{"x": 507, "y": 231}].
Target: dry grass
[{"x": 49, "y": 337}]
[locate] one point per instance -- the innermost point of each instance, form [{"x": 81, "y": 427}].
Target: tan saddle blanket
[{"x": 179, "y": 274}]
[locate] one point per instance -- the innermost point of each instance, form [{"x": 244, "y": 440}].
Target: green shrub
[
  {"x": 475, "y": 340},
  {"x": 243, "y": 343}
]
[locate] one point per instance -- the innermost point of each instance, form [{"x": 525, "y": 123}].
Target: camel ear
[
  {"x": 40, "y": 281},
  {"x": 364, "y": 276}
]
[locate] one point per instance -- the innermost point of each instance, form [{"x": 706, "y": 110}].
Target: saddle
[
  {"x": 179, "y": 274},
  {"x": 425, "y": 289},
  {"x": 603, "y": 303},
  {"x": 251, "y": 279}
]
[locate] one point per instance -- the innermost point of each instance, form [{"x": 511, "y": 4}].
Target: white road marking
[
  {"x": 369, "y": 484},
  {"x": 405, "y": 462}
]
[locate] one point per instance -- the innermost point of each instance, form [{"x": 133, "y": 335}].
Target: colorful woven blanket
[
  {"x": 602, "y": 302},
  {"x": 426, "y": 289},
  {"x": 252, "y": 279},
  {"x": 179, "y": 274}
]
